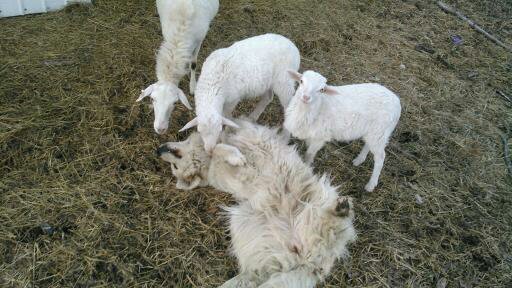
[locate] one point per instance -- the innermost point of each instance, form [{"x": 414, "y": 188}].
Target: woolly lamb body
[
  {"x": 289, "y": 226},
  {"x": 368, "y": 111},
  {"x": 184, "y": 26},
  {"x": 250, "y": 68}
]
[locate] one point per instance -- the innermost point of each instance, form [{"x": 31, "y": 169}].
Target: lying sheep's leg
[
  {"x": 239, "y": 281},
  {"x": 262, "y": 104},
  {"x": 343, "y": 207},
  {"x": 362, "y": 155},
  {"x": 230, "y": 154},
  {"x": 313, "y": 146}
]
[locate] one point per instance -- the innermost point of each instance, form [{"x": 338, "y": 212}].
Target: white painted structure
[{"x": 10, "y": 8}]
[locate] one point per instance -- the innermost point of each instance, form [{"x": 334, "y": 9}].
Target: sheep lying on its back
[
  {"x": 289, "y": 226},
  {"x": 249, "y": 68},
  {"x": 319, "y": 113}
]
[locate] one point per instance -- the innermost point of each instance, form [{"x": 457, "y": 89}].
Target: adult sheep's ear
[
  {"x": 184, "y": 99},
  {"x": 145, "y": 92},
  {"x": 294, "y": 75},
  {"x": 329, "y": 90},
  {"x": 189, "y": 125},
  {"x": 227, "y": 122}
]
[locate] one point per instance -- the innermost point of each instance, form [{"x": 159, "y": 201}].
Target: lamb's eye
[
  {"x": 322, "y": 90},
  {"x": 300, "y": 82}
]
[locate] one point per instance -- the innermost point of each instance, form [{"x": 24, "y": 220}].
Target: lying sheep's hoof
[{"x": 343, "y": 207}]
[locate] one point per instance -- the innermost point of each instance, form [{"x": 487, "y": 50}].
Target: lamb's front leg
[
  {"x": 193, "y": 65},
  {"x": 262, "y": 104},
  {"x": 230, "y": 154},
  {"x": 228, "y": 109},
  {"x": 313, "y": 146}
]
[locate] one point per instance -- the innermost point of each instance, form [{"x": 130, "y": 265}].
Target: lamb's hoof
[
  {"x": 343, "y": 207},
  {"x": 370, "y": 187},
  {"x": 356, "y": 162}
]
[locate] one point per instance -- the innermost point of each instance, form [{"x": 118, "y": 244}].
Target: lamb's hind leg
[
  {"x": 378, "y": 158},
  {"x": 262, "y": 104}
]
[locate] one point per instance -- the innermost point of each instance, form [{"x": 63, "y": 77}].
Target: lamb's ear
[
  {"x": 184, "y": 99},
  {"x": 189, "y": 125},
  {"x": 145, "y": 92},
  {"x": 227, "y": 122},
  {"x": 329, "y": 90},
  {"x": 294, "y": 75}
]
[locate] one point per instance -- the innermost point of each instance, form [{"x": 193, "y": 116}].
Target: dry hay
[{"x": 77, "y": 152}]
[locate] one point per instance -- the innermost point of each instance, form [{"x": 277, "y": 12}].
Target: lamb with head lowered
[
  {"x": 249, "y": 68},
  {"x": 319, "y": 113},
  {"x": 289, "y": 226},
  {"x": 184, "y": 27}
]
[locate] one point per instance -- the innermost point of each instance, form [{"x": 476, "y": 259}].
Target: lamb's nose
[
  {"x": 161, "y": 150},
  {"x": 305, "y": 98}
]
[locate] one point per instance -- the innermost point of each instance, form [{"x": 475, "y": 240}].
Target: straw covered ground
[{"x": 84, "y": 202}]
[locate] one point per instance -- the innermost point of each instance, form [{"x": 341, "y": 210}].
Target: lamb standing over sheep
[
  {"x": 289, "y": 226},
  {"x": 184, "y": 27},
  {"x": 250, "y": 68},
  {"x": 319, "y": 113}
]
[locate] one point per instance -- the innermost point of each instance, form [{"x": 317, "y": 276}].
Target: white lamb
[
  {"x": 184, "y": 27},
  {"x": 289, "y": 226},
  {"x": 253, "y": 67},
  {"x": 319, "y": 113}
]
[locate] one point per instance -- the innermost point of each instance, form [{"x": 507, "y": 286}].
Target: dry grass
[{"x": 77, "y": 152}]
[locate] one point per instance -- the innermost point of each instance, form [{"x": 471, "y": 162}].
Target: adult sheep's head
[
  {"x": 189, "y": 162},
  {"x": 311, "y": 84},
  {"x": 210, "y": 128},
  {"x": 163, "y": 96}
]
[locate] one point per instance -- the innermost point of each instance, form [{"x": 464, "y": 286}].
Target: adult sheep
[
  {"x": 289, "y": 226},
  {"x": 184, "y": 27}
]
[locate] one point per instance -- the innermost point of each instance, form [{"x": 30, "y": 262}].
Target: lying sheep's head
[
  {"x": 210, "y": 129},
  {"x": 189, "y": 161},
  {"x": 311, "y": 84},
  {"x": 163, "y": 95}
]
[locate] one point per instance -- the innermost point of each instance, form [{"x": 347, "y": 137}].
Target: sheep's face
[
  {"x": 311, "y": 86},
  {"x": 163, "y": 96},
  {"x": 188, "y": 161}
]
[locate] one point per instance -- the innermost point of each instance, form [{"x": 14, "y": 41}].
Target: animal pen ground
[{"x": 84, "y": 202}]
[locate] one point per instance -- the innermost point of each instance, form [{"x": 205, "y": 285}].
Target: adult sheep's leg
[
  {"x": 295, "y": 278},
  {"x": 262, "y": 104},
  {"x": 193, "y": 65},
  {"x": 313, "y": 146},
  {"x": 362, "y": 155},
  {"x": 378, "y": 158},
  {"x": 230, "y": 154},
  {"x": 240, "y": 280}
]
